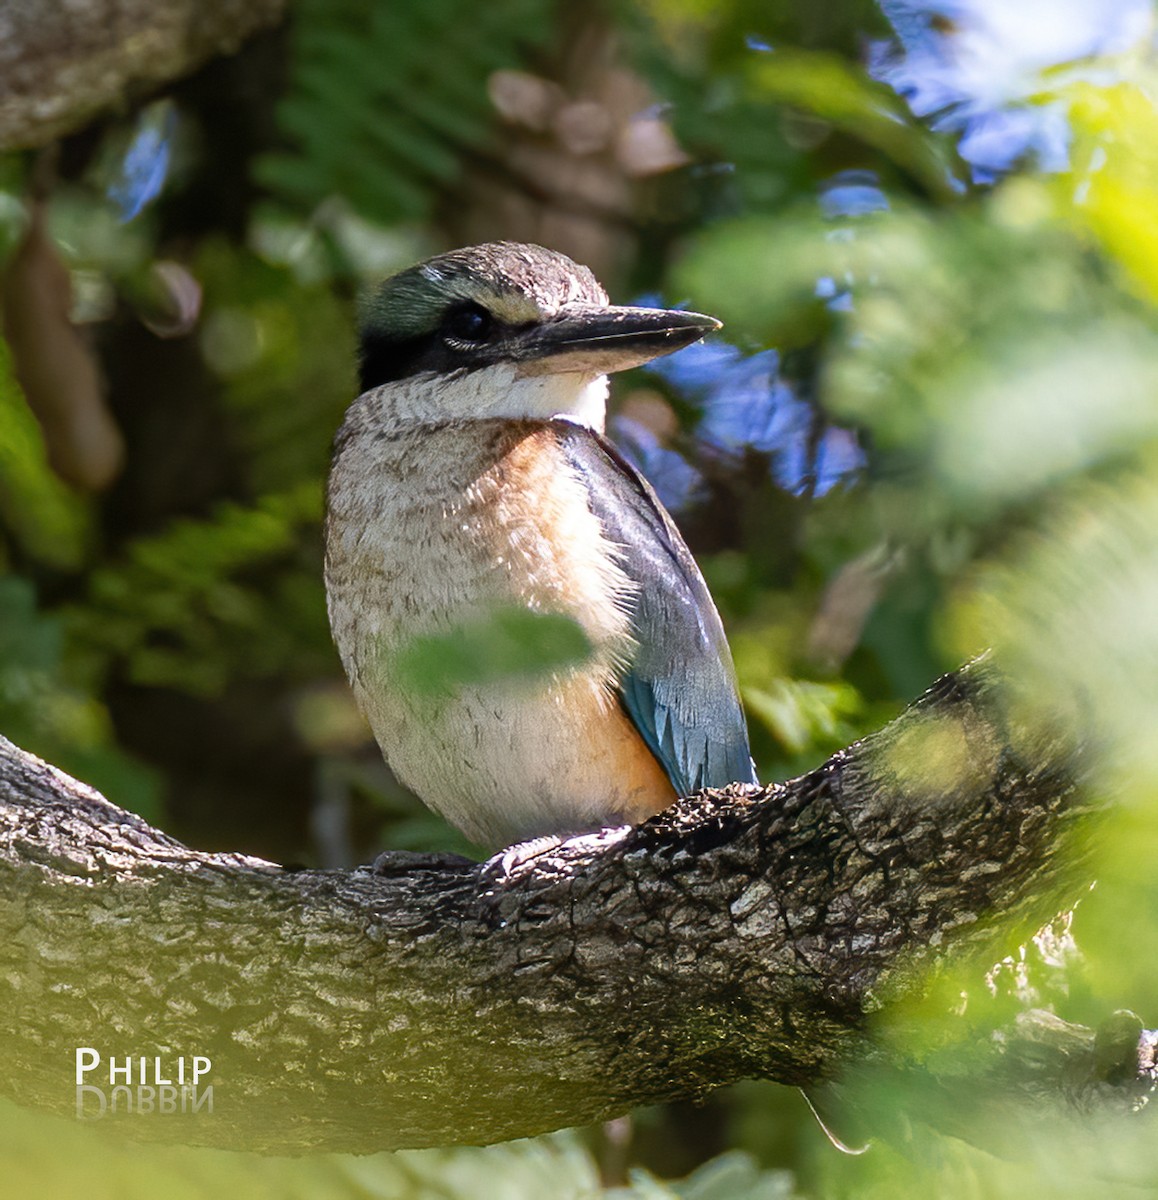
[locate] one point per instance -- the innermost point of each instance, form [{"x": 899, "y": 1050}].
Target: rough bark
[
  {"x": 64, "y": 61},
  {"x": 556, "y": 984}
]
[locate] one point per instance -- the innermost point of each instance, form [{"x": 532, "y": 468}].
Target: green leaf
[
  {"x": 829, "y": 87},
  {"x": 509, "y": 644}
]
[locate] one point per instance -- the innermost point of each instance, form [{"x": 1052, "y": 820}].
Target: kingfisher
[{"x": 472, "y": 477}]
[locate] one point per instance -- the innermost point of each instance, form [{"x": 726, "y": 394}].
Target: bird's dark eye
[{"x": 468, "y": 323}]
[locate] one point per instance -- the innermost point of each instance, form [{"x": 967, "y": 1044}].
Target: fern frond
[{"x": 385, "y": 98}]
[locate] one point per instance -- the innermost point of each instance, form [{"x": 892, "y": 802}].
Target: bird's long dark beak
[{"x": 604, "y": 339}]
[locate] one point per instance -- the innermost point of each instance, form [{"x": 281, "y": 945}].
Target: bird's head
[{"x": 507, "y": 330}]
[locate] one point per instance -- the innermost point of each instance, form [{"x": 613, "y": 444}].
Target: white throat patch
[{"x": 497, "y": 391}]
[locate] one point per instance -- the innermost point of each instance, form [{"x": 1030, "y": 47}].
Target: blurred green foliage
[
  {"x": 508, "y": 644},
  {"x": 173, "y": 612},
  {"x": 66, "y": 1159},
  {"x": 386, "y": 100},
  {"x": 42, "y": 517},
  {"x": 993, "y": 342}
]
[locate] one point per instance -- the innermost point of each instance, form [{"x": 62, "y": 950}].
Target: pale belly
[
  {"x": 488, "y": 523},
  {"x": 507, "y": 762}
]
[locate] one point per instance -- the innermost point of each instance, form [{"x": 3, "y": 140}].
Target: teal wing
[{"x": 680, "y": 689}]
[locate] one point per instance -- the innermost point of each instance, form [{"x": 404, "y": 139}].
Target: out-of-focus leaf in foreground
[{"x": 511, "y": 644}]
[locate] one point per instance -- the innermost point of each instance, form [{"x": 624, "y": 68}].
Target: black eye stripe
[
  {"x": 386, "y": 359},
  {"x": 467, "y": 335},
  {"x": 468, "y": 322}
]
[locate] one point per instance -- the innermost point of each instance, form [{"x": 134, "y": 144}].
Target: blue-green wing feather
[{"x": 680, "y": 689}]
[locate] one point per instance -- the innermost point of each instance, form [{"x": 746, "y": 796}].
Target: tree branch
[
  {"x": 556, "y": 984},
  {"x": 62, "y": 62}
]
